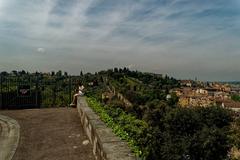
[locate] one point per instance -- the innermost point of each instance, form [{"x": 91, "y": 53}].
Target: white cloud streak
[{"x": 41, "y": 50}]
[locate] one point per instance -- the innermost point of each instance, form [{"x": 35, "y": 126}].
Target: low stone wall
[
  {"x": 0, "y": 101},
  {"x": 9, "y": 137},
  {"x": 106, "y": 146}
]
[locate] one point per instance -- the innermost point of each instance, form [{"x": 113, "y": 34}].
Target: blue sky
[{"x": 182, "y": 38}]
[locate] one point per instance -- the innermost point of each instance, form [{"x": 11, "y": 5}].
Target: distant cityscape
[{"x": 196, "y": 93}]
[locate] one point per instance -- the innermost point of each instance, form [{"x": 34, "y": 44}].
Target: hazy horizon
[{"x": 182, "y": 38}]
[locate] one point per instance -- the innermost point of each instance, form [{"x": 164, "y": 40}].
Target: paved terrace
[{"x": 50, "y": 134}]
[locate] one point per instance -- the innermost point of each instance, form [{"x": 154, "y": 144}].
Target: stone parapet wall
[
  {"x": 0, "y": 101},
  {"x": 106, "y": 146}
]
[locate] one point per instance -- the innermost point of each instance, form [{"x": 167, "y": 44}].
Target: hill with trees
[{"x": 140, "y": 109}]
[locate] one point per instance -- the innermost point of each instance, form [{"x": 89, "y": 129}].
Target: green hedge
[{"x": 126, "y": 126}]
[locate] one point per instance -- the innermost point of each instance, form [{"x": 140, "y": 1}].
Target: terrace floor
[{"x": 50, "y": 134}]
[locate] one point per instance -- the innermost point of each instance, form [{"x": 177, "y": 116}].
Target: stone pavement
[
  {"x": 50, "y": 134},
  {"x": 9, "y": 137}
]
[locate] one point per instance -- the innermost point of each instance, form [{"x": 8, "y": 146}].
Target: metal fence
[{"x": 35, "y": 91}]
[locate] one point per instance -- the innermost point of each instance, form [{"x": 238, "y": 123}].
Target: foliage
[
  {"x": 201, "y": 133},
  {"x": 235, "y": 97},
  {"x": 124, "y": 125},
  {"x": 171, "y": 133},
  {"x": 236, "y": 133},
  {"x": 54, "y": 90},
  {"x": 173, "y": 100}
]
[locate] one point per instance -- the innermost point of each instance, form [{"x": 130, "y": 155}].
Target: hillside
[{"x": 140, "y": 109}]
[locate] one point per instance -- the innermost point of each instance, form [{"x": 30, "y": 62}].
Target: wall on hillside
[
  {"x": 127, "y": 103},
  {"x": 124, "y": 100},
  {"x": 106, "y": 146}
]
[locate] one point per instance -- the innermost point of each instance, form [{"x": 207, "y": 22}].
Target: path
[{"x": 50, "y": 134}]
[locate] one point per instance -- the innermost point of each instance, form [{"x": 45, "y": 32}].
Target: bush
[
  {"x": 171, "y": 133},
  {"x": 126, "y": 126}
]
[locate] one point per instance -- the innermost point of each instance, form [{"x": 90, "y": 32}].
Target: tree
[
  {"x": 198, "y": 134},
  {"x": 185, "y": 133},
  {"x": 59, "y": 73},
  {"x": 4, "y": 73},
  {"x": 210, "y": 143},
  {"x": 116, "y": 70},
  {"x": 81, "y": 73},
  {"x": 173, "y": 100},
  {"x": 52, "y": 73},
  {"x": 22, "y": 72},
  {"x": 65, "y": 74},
  {"x": 235, "y": 97},
  {"x": 236, "y": 133},
  {"x": 14, "y": 72},
  {"x": 215, "y": 116}
]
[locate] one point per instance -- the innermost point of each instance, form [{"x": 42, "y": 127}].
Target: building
[{"x": 230, "y": 104}]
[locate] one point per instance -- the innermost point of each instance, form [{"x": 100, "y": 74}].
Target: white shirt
[{"x": 80, "y": 88}]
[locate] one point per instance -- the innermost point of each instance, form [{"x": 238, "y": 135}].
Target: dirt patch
[{"x": 50, "y": 134}]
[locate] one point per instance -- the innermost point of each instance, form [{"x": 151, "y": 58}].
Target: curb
[{"x": 9, "y": 137}]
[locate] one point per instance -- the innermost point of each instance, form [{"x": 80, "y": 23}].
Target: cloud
[
  {"x": 131, "y": 66},
  {"x": 41, "y": 50},
  {"x": 155, "y": 35}
]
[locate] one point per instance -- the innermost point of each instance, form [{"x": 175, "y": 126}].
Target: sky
[{"x": 182, "y": 38}]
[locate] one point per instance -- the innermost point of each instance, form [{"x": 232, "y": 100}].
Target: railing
[{"x": 44, "y": 90}]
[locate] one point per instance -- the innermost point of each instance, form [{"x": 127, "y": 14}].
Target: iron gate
[{"x": 35, "y": 91}]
